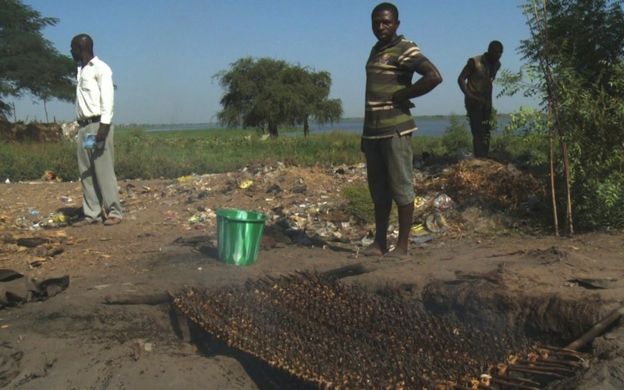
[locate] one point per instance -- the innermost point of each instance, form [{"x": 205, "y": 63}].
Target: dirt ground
[{"x": 167, "y": 240}]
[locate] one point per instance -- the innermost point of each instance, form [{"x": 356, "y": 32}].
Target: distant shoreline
[
  {"x": 428, "y": 125},
  {"x": 148, "y": 126}
]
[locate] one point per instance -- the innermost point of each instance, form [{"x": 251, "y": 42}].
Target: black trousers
[{"x": 479, "y": 116}]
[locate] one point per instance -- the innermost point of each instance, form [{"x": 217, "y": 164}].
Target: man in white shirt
[{"x": 94, "y": 113}]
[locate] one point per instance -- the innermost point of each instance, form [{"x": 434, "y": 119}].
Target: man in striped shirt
[{"x": 388, "y": 124}]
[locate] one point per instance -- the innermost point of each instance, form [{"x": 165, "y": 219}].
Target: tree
[
  {"x": 268, "y": 93},
  {"x": 28, "y": 62},
  {"x": 314, "y": 89},
  {"x": 576, "y": 57}
]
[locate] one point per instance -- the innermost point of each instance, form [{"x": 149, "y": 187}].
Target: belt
[{"x": 86, "y": 121}]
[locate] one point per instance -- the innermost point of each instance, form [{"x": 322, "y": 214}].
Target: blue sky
[{"x": 164, "y": 53}]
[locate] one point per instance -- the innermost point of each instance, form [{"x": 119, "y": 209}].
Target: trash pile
[
  {"x": 306, "y": 206},
  {"x": 303, "y": 206},
  {"x": 34, "y": 131},
  {"x": 33, "y": 219},
  {"x": 33, "y": 237},
  {"x": 489, "y": 183}
]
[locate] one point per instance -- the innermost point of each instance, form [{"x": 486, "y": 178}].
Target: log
[{"x": 596, "y": 330}]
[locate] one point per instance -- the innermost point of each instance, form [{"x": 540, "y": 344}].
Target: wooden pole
[
  {"x": 597, "y": 329},
  {"x": 553, "y": 101},
  {"x": 551, "y": 163}
]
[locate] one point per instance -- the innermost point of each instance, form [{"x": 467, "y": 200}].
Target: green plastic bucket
[{"x": 239, "y": 233}]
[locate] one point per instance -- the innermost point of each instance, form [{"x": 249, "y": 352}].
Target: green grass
[
  {"x": 360, "y": 204},
  {"x": 140, "y": 154},
  {"x": 146, "y": 155}
]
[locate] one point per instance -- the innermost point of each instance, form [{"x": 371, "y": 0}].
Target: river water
[{"x": 430, "y": 125}]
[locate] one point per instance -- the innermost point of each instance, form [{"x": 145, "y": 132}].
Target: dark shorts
[{"x": 389, "y": 169}]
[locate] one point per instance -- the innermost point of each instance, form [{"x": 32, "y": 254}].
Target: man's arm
[
  {"x": 107, "y": 90},
  {"x": 430, "y": 79},
  {"x": 496, "y": 69}
]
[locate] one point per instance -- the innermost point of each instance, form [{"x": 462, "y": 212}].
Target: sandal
[
  {"x": 110, "y": 221},
  {"x": 85, "y": 222}
]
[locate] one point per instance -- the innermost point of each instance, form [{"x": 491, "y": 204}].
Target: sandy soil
[{"x": 76, "y": 341}]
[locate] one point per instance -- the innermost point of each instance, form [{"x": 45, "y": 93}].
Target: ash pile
[{"x": 333, "y": 335}]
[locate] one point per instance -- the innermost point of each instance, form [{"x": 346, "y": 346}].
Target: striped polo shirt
[{"x": 390, "y": 67}]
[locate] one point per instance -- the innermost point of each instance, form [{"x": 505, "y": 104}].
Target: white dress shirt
[{"x": 95, "y": 91}]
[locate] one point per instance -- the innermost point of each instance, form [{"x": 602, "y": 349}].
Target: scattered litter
[
  {"x": 50, "y": 176},
  {"x": 443, "y": 202},
  {"x": 436, "y": 223},
  {"x": 54, "y": 220},
  {"x": 367, "y": 241},
  {"x": 423, "y": 239},
  {"x": 202, "y": 217},
  {"x": 419, "y": 202},
  {"x": 185, "y": 179},
  {"x": 418, "y": 230},
  {"x": 303, "y": 206},
  {"x": 197, "y": 218},
  {"x": 246, "y": 184}
]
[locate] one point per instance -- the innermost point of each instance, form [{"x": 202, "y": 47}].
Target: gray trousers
[
  {"x": 97, "y": 176},
  {"x": 389, "y": 169}
]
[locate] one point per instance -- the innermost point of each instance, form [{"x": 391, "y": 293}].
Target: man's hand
[
  {"x": 430, "y": 79},
  {"x": 401, "y": 98},
  {"x": 102, "y": 132}
]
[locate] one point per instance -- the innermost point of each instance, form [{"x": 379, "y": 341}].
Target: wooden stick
[{"x": 596, "y": 330}]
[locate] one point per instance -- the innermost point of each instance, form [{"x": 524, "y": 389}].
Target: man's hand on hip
[{"x": 401, "y": 98}]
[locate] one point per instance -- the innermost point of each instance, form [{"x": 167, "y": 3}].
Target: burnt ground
[{"x": 167, "y": 241}]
